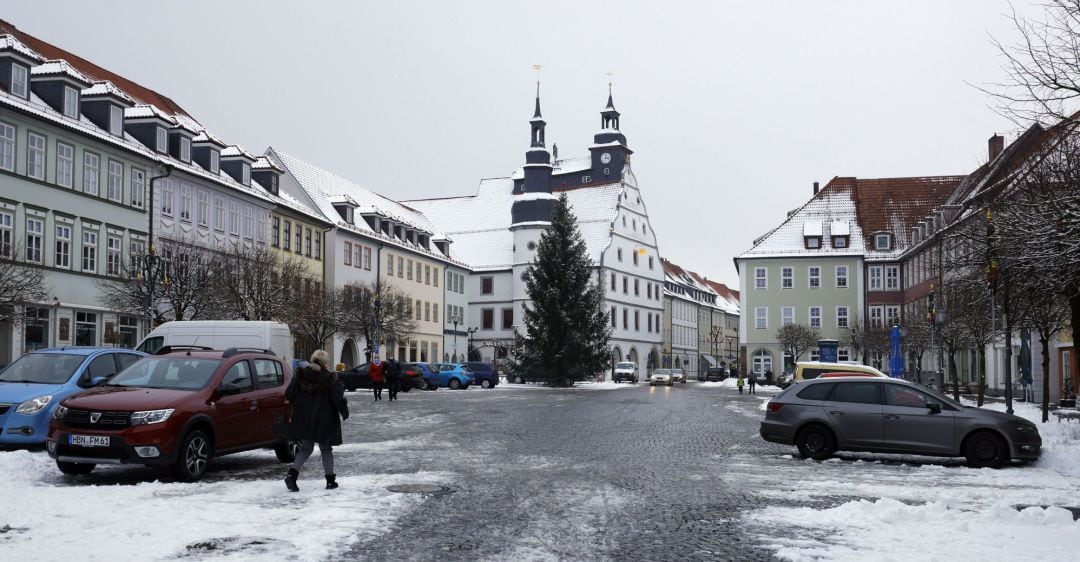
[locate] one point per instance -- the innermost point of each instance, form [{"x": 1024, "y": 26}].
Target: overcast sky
[{"x": 733, "y": 109}]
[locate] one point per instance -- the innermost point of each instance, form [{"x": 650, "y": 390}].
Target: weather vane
[
  {"x": 536, "y": 67},
  {"x": 609, "y": 75}
]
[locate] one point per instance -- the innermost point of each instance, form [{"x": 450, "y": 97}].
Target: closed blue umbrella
[{"x": 896, "y": 357}]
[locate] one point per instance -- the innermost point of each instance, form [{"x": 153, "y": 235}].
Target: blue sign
[
  {"x": 827, "y": 350},
  {"x": 896, "y": 355},
  {"x": 375, "y": 355}
]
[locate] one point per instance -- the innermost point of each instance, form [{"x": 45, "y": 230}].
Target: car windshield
[
  {"x": 180, "y": 373},
  {"x": 662, "y": 372},
  {"x": 43, "y": 368},
  {"x": 625, "y": 365}
]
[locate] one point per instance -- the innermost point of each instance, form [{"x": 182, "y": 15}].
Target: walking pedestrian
[
  {"x": 392, "y": 372},
  {"x": 318, "y": 400},
  {"x": 753, "y": 383},
  {"x": 739, "y": 383},
  {"x": 375, "y": 371}
]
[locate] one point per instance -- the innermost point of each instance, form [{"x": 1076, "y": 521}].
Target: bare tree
[
  {"x": 796, "y": 339},
  {"x": 256, "y": 283},
  {"x": 377, "y": 312},
  {"x": 182, "y": 289},
  {"x": 19, "y": 284},
  {"x": 316, "y": 317},
  {"x": 916, "y": 339},
  {"x": 854, "y": 338},
  {"x": 1047, "y": 314}
]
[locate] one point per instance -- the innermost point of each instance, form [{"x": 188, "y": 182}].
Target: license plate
[{"x": 88, "y": 440}]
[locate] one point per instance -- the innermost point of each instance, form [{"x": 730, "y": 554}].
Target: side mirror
[
  {"x": 98, "y": 381},
  {"x": 935, "y": 407},
  {"x": 228, "y": 389}
]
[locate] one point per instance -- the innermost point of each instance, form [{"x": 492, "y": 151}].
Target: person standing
[
  {"x": 739, "y": 383},
  {"x": 318, "y": 400},
  {"x": 375, "y": 371},
  {"x": 393, "y": 376},
  {"x": 753, "y": 382}
]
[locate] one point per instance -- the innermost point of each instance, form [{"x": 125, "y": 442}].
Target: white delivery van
[{"x": 222, "y": 334}]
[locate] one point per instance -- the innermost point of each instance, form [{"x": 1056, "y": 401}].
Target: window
[
  {"x": 408, "y": 274},
  {"x": 843, "y": 355},
  {"x": 390, "y": 264},
  {"x": 249, "y": 219},
  {"x": 625, "y": 285},
  {"x": 185, "y": 202},
  {"x": 434, "y": 312},
  {"x": 287, "y": 241},
  {"x": 63, "y": 246},
  {"x": 308, "y": 239},
  {"x": 487, "y": 318},
  {"x": 614, "y": 317},
  {"x": 185, "y": 149},
  {"x": 637, "y": 287},
  {"x": 760, "y": 279},
  {"x": 896, "y": 395},
  {"x": 112, "y": 255},
  {"x": 167, "y": 198},
  {"x": 418, "y": 310},
  {"x": 116, "y": 121},
  {"x": 6, "y": 236},
  {"x": 787, "y": 315},
  {"x": 812, "y": 242},
  {"x": 427, "y": 274},
  {"x": 356, "y": 256},
  {"x": 35, "y": 156},
  {"x": 245, "y": 174},
  {"x": 35, "y": 230},
  {"x": 618, "y": 253},
  {"x": 348, "y": 253},
  {"x": 65, "y": 164},
  {"x": 19, "y": 83},
  {"x": 761, "y": 318},
  {"x": 816, "y": 392},
  {"x": 857, "y": 393},
  {"x": 487, "y": 285},
  {"x": 815, "y": 316},
  {"x": 839, "y": 241},
  {"x": 892, "y": 314},
  {"x": 367, "y": 258},
  {"x": 892, "y": 278},
  {"x": 841, "y": 277},
  {"x": 841, "y": 317},
  {"x": 239, "y": 376},
  {"x": 635, "y": 254},
  {"x": 89, "y": 251},
  {"x": 507, "y": 318},
  {"x": 162, "y": 144},
  {"x": 318, "y": 248},
  {"x": 875, "y": 278},
  {"x": 876, "y": 320},
  {"x": 268, "y": 374},
  {"x": 787, "y": 278},
  {"x": 882, "y": 241},
  {"x": 625, "y": 319},
  {"x": 215, "y": 161},
  {"x": 648, "y": 323},
  {"x": 234, "y": 218},
  {"x": 7, "y": 147},
  {"x": 637, "y": 320},
  {"x": 434, "y": 276},
  {"x": 91, "y": 164},
  {"x": 814, "y": 276},
  {"x": 427, "y": 311},
  {"x": 762, "y": 362},
  {"x": 299, "y": 240},
  {"x": 138, "y": 187},
  {"x": 614, "y": 280},
  {"x": 203, "y": 213},
  {"x": 85, "y": 328},
  {"x": 648, "y": 291}
]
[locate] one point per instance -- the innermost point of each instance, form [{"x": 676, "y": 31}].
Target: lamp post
[
  {"x": 153, "y": 277},
  {"x": 455, "y": 320},
  {"x": 471, "y": 331}
]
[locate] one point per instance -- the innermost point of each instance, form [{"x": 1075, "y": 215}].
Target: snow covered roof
[
  {"x": 812, "y": 228},
  {"x": 106, "y": 88},
  {"x": 207, "y": 136},
  {"x": 143, "y": 111},
  {"x": 894, "y": 205},
  {"x": 10, "y": 43},
  {"x": 265, "y": 163},
  {"x": 570, "y": 165},
  {"x": 235, "y": 151},
  {"x": 60, "y": 68},
  {"x": 835, "y": 203},
  {"x": 840, "y": 228}
]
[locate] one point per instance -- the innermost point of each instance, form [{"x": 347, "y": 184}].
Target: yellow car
[{"x": 806, "y": 370}]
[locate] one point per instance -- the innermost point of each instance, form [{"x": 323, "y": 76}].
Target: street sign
[{"x": 375, "y": 355}]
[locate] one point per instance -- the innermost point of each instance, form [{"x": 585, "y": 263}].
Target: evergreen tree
[{"x": 566, "y": 330}]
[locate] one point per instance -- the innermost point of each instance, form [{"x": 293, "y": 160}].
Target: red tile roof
[
  {"x": 895, "y": 204},
  {"x": 95, "y": 72}
]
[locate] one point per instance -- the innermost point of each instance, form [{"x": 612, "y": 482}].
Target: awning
[{"x": 709, "y": 359}]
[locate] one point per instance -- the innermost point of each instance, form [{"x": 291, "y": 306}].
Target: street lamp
[
  {"x": 455, "y": 320},
  {"x": 153, "y": 278},
  {"x": 471, "y": 331}
]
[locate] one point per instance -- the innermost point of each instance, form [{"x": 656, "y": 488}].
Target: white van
[{"x": 222, "y": 334}]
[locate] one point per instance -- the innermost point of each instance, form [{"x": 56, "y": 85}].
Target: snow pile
[
  {"x": 239, "y": 519},
  {"x": 606, "y": 385},
  {"x": 1061, "y": 440},
  {"x": 733, "y": 383}
]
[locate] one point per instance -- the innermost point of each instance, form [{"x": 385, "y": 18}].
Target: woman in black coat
[{"x": 318, "y": 399}]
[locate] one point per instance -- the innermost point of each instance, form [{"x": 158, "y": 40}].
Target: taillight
[{"x": 774, "y": 406}]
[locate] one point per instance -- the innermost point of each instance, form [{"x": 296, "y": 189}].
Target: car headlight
[
  {"x": 149, "y": 417},
  {"x": 60, "y": 412},
  {"x": 34, "y": 405},
  {"x": 1026, "y": 428}
]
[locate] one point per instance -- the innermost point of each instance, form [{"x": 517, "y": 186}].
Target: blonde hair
[{"x": 321, "y": 357}]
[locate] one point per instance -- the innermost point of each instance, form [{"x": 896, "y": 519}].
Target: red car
[{"x": 176, "y": 409}]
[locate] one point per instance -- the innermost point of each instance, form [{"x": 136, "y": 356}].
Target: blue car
[
  {"x": 453, "y": 375},
  {"x": 32, "y": 386}
]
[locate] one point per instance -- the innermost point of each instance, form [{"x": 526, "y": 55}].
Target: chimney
[
  {"x": 996, "y": 145},
  {"x": 816, "y": 188}
]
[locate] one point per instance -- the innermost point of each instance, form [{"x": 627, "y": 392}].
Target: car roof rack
[
  {"x": 238, "y": 350},
  {"x": 188, "y": 348}
]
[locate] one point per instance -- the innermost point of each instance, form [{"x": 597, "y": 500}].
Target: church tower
[{"x": 609, "y": 150}]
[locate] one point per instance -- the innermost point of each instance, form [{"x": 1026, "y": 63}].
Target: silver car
[
  {"x": 821, "y": 416},
  {"x": 660, "y": 376}
]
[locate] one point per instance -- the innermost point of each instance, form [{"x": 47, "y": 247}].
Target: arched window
[{"x": 762, "y": 361}]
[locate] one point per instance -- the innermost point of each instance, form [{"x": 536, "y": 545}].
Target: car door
[
  {"x": 270, "y": 395},
  {"x": 911, "y": 425},
  {"x": 236, "y": 408},
  {"x": 854, "y": 410},
  {"x": 102, "y": 366}
]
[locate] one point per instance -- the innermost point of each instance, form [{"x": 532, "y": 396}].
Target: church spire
[
  {"x": 537, "y": 122},
  {"x": 610, "y": 103},
  {"x": 609, "y": 117}
]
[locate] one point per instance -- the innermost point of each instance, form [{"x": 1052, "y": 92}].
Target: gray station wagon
[{"x": 822, "y": 416}]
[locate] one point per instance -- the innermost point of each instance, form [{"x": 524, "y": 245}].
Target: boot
[
  {"x": 290, "y": 480},
  {"x": 331, "y": 481}
]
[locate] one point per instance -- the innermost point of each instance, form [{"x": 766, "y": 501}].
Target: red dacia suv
[{"x": 176, "y": 409}]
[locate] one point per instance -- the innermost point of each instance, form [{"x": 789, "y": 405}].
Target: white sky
[{"x": 733, "y": 109}]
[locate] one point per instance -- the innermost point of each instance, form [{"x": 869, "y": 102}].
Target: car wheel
[
  {"x": 519, "y": 380},
  {"x": 984, "y": 449},
  {"x": 486, "y": 384},
  {"x": 74, "y": 468},
  {"x": 350, "y": 387},
  {"x": 815, "y": 442},
  {"x": 454, "y": 384},
  {"x": 406, "y": 388},
  {"x": 286, "y": 451},
  {"x": 194, "y": 456}
]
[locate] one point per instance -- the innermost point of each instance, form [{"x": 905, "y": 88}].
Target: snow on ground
[
  {"x": 733, "y": 383},
  {"x": 232, "y": 519},
  {"x": 921, "y": 507}
]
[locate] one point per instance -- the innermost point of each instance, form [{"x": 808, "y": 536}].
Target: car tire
[
  {"x": 815, "y": 442},
  {"x": 286, "y": 450},
  {"x": 74, "y": 468},
  {"x": 406, "y": 388},
  {"x": 350, "y": 388},
  {"x": 454, "y": 384},
  {"x": 519, "y": 380},
  {"x": 985, "y": 450},
  {"x": 193, "y": 458},
  {"x": 486, "y": 383}
]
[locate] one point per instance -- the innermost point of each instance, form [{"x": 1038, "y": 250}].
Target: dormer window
[
  {"x": 245, "y": 175},
  {"x": 20, "y": 81},
  {"x": 215, "y": 161},
  {"x": 185, "y": 149},
  {"x": 116, "y": 120},
  {"x": 162, "y": 140},
  {"x": 812, "y": 234},
  {"x": 812, "y": 242},
  {"x": 840, "y": 241},
  {"x": 882, "y": 242},
  {"x": 71, "y": 102}
]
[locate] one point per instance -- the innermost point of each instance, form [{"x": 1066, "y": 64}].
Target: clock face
[{"x": 605, "y": 158}]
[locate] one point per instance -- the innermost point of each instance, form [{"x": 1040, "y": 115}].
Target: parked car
[
  {"x": 453, "y": 375},
  {"x": 222, "y": 334},
  {"x": 660, "y": 376},
  {"x": 176, "y": 409},
  {"x": 428, "y": 376},
  {"x": 886, "y": 415},
  {"x": 714, "y": 374},
  {"x": 483, "y": 374},
  {"x": 32, "y": 386},
  {"x": 625, "y": 371},
  {"x": 806, "y": 370},
  {"x": 785, "y": 380},
  {"x": 677, "y": 375},
  {"x": 358, "y": 377}
]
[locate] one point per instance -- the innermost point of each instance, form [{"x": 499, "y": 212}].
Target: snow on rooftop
[
  {"x": 147, "y": 111},
  {"x": 831, "y": 205},
  {"x": 59, "y": 67},
  {"x": 570, "y": 165},
  {"x": 236, "y": 151},
  {"x": 812, "y": 228},
  {"x": 839, "y": 228},
  {"x": 206, "y": 136},
  {"x": 7, "y": 42},
  {"x": 265, "y": 163}
]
